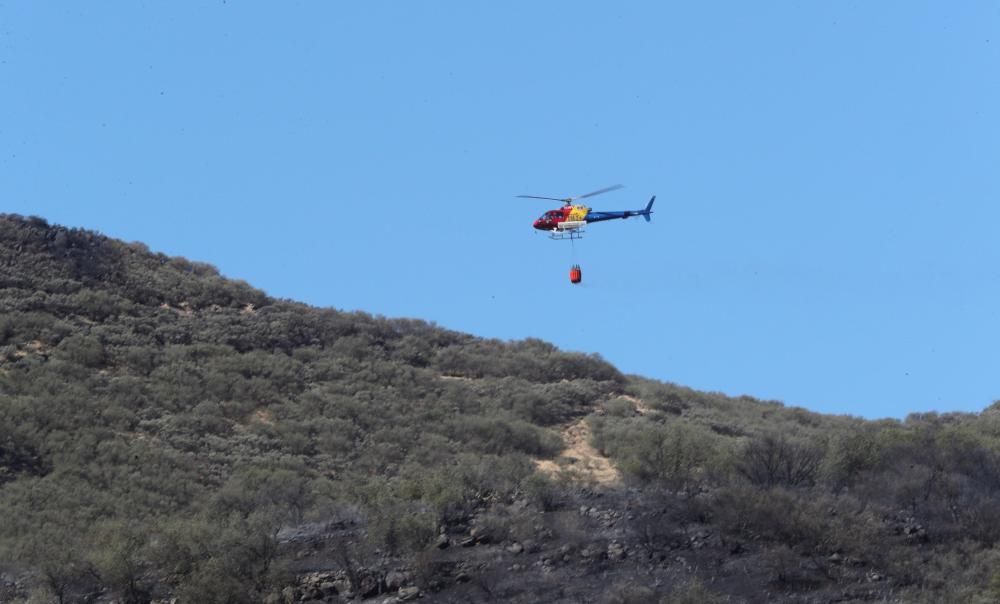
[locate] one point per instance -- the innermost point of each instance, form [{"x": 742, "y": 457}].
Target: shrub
[
  {"x": 772, "y": 460},
  {"x": 542, "y": 492},
  {"x": 673, "y": 455},
  {"x": 83, "y": 350}
]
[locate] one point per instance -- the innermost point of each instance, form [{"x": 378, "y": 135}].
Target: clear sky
[{"x": 827, "y": 173}]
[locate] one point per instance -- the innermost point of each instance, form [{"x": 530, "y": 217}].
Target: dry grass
[{"x": 580, "y": 461}]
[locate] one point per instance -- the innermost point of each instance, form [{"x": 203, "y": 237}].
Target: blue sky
[{"x": 827, "y": 173}]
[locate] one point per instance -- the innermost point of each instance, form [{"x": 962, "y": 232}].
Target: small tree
[
  {"x": 673, "y": 455},
  {"x": 56, "y": 553},
  {"x": 121, "y": 561},
  {"x": 772, "y": 460}
]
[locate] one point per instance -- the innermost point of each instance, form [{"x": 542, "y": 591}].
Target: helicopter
[{"x": 568, "y": 221}]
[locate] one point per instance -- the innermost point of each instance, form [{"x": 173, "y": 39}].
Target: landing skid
[{"x": 571, "y": 235}]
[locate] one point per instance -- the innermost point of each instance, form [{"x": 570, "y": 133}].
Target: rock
[
  {"x": 395, "y": 579},
  {"x": 408, "y": 593},
  {"x": 835, "y": 558},
  {"x": 343, "y": 585},
  {"x": 309, "y": 592},
  {"x": 915, "y": 532},
  {"x": 369, "y": 585},
  {"x": 515, "y": 548},
  {"x": 442, "y": 542},
  {"x": 328, "y": 588},
  {"x": 616, "y": 551},
  {"x": 467, "y": 542},
  {"x": 480, "y": 534}
]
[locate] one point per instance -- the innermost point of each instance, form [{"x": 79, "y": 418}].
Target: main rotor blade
[
  {"x": 537, "y": 197},
  {"x": 598, "y": 192}
]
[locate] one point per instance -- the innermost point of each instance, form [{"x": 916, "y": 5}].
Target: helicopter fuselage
[{"x": 551, "y": 220}]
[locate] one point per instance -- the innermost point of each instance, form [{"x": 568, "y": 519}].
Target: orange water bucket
[{"x": 575, "y": 274}]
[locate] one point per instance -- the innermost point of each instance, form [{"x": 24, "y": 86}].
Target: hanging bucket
[{"x": 575, "y": 274}]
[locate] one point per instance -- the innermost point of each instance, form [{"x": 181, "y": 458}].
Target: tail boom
[{"x": 592, "y": 216}]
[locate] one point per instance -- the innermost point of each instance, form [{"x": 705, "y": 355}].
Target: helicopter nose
[{"x": 538, "y": 224}]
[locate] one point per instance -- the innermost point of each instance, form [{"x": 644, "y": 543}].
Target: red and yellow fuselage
[{"x": 553, "y": 218}]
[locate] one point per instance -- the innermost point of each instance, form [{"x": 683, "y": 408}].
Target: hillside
[{"x": 169, "y": 433}]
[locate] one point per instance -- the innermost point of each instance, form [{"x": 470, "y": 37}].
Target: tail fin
[{"x": 649, "y": 208}]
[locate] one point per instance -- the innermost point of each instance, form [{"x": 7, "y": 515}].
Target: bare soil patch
[{"x": 580, "y": 461}]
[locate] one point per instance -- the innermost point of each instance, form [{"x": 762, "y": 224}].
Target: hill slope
[{"x": 166, "y": 432}]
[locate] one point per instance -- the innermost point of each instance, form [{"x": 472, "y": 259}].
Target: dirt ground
[{"x": 579, "y": 460}]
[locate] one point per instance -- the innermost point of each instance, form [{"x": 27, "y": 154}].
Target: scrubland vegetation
[{"x": 169, "y": 433}]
